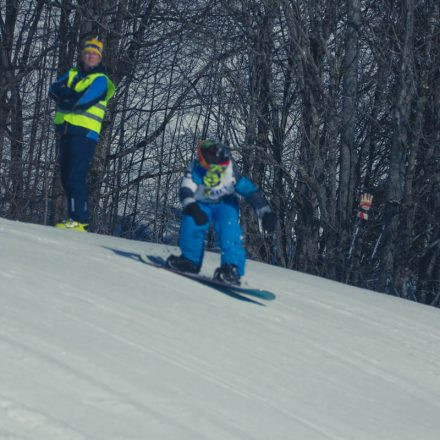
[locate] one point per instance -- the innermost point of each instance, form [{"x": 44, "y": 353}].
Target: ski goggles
[{"x": 211, "y": 153}]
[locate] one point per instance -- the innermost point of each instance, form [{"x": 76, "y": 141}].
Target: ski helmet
[{"x": 210, "y": 152}]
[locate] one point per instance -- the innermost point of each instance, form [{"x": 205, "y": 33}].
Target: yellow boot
[{"x": 73, "y": 225}]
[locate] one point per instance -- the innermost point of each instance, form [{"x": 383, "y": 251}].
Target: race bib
[
  {"x": 220, "y": 191},
  {"x": 216, "y": 185}
]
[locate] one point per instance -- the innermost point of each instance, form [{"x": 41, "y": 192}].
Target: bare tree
[{"x": 318, "y": 100}]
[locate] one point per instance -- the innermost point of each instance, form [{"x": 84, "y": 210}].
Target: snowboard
[{"x": 243, "y": 292}]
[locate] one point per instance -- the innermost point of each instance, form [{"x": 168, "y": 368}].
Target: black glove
[
  {"x": 269, "y": 221},
  {"x": 67, "y": 104},
  {"x": 61, "y": 91},
  {"x": 196, "y": 213}
]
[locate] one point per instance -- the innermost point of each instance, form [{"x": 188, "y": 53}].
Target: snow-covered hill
[{"x": 96, "y": 345}]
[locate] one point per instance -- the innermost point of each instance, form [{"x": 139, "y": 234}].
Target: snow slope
[{"x": 96, "y": 345}]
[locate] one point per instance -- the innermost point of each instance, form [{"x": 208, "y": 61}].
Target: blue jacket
[
  {"x": 67, "y": 99},
  {"x": 193, "y": 189}
]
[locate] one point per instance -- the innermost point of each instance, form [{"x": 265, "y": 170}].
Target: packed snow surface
[{"x": 96, "y": 345}]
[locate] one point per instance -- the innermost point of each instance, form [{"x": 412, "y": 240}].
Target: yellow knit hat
[{"x": 93, "y": 45}]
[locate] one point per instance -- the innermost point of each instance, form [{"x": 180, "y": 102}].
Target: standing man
[{"x": 81, "y": 94}]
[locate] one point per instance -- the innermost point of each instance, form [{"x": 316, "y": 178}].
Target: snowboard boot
[
  {"x": 182, "y": 264},
  {"x": 73, "y": 225},
  {"x": 227, "y": 274}
]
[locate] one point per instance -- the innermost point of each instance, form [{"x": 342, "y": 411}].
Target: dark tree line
[{"x": 320, "y": 102}]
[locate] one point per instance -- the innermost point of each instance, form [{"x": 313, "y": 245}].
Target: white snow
[{"x": 96, "y": 345}]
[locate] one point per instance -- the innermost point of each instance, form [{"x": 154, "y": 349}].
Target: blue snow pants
[
  {"x": 76, "y": 154},
  {"x": 225, "y": 218}
]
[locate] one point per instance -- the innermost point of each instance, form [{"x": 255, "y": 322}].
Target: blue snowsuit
[
  {"x": 220, "y": 203},
  {"x": 77, "y": 144}
]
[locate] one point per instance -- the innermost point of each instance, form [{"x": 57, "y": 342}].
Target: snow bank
[{"x": 96, "y": 345}]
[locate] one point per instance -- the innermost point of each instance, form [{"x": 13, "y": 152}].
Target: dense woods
[{"x": 320, "y": 102}]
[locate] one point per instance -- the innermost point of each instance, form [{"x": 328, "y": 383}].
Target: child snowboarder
[{"x": 208, "y": 196}]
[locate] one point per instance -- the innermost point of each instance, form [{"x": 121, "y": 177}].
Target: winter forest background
[{"x": 320, "y": 102}]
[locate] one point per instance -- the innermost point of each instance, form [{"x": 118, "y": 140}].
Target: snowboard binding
[
  {"x": 182, "y": 264},
  {"x": 227, "y": 274}
]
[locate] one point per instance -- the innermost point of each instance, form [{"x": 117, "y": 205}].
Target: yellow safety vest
[{"x": 92, "y": 117}]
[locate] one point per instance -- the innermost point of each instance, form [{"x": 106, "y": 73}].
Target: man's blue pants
[
  {"x": 76, "y": 154},
  {"x": 225, "y": 218}
]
